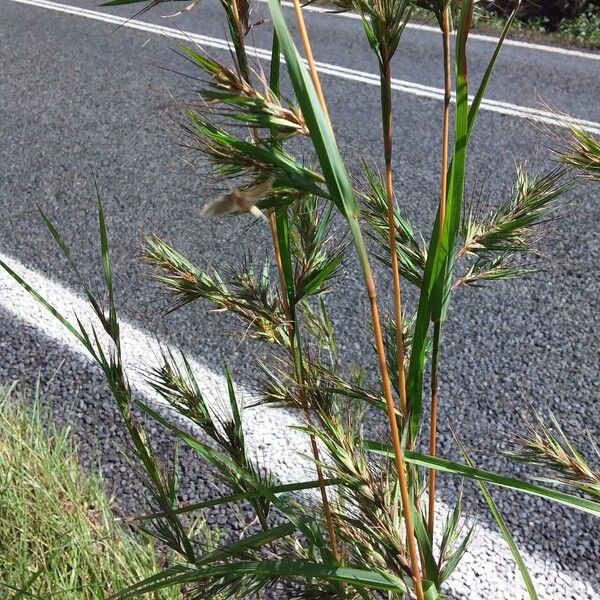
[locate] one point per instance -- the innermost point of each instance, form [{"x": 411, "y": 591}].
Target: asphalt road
[{"x": 77, "y": 98}]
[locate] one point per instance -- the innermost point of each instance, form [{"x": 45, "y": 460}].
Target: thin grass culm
[
  {"x": 386, "y": 20},
  {"x": 445, "y": 27},
  {"x": 358, "y": 518},
  {"x": 387, "y": 29}
]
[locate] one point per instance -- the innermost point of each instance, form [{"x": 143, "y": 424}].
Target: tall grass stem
[
  {"x": 390, "y": 406},
  {"x": 312, "y": 69},
  {"x": 363, "y": 258},
  {"x": 386, "y": 113},
  {"x": 441, "y": 223}
]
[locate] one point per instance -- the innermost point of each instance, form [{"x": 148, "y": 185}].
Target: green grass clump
[
  {"x": 58, "y": 536},
  {"x": 581, "y": 30}
]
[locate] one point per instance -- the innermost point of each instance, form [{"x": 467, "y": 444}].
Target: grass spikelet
[
  {"x": 583, "y": 154},
  {"x": 547, "y": 447}
]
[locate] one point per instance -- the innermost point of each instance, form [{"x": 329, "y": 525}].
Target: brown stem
[
  {"x": 386, "y": 104},
  {"x": 312, "y": 69},
  {"x": 395, "y": 435},
  {"x": 386, "y": 109},
  {"x": 379, "y": 344},
  {"x": 278, "y": 262},
  {"x": 325, "y": 500},
  {"x": 441, "y": 222}
]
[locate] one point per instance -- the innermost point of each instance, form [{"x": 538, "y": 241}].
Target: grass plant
[
  {"x": 58, "y": 535},
  {"x": 372, "y": 532}
]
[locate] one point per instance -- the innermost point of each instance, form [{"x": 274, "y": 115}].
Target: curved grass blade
[
  {"x": 476, "y": 102},
  {"x": 456, "y": 557},
  {"x": 49, "y": 307},
  {"x": 338, "y": 181},
  {"x": 505, "y": 531},
  {"x": 447, "y": 466},
  {"x": 113, "y": 321},
  {"x": 283, "y": 569}
]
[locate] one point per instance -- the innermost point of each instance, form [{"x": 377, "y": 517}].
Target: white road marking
[
  {"x": 474, "y": 36},
  {"x": 268, "y": 430},
  {"x": 416, "y": 89}
]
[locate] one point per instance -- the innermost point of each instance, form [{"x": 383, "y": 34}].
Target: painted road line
[
  {"x": 268, "y": 430},
  {"x": 472, "y": 36},
  {"x": 496, "y": 106}
]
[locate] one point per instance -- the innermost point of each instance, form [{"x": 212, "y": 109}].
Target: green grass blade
[
  {"x": 235, "y": 408},
  {"x": 433, "y": 296},
  {"x": 506, "y": 534},
  {"x": 435, "y": 291},
  {"x": 321, "y": 134},
  {"x": 425, "y": 548},
  {"x": 60, "y": 242},
  {"x": 431, "y": 590},
  {"x": 51, "y": 309},
  {"x": 476, "y": 103},
  {"x": 281, "y": 569},
  {"x": 312, "y": 285},
  {"x": 106, "y": 268},
  {"x": 447, "y": 466},
  {"x": 275, "y": 67},
  {"x": 457, "y": 171},
  {"x": 278, "y": 490},
  {"x": 113, "y": 321},
  {"x": 456, "y": 557},
  {"x": 283, "y": 240}
]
